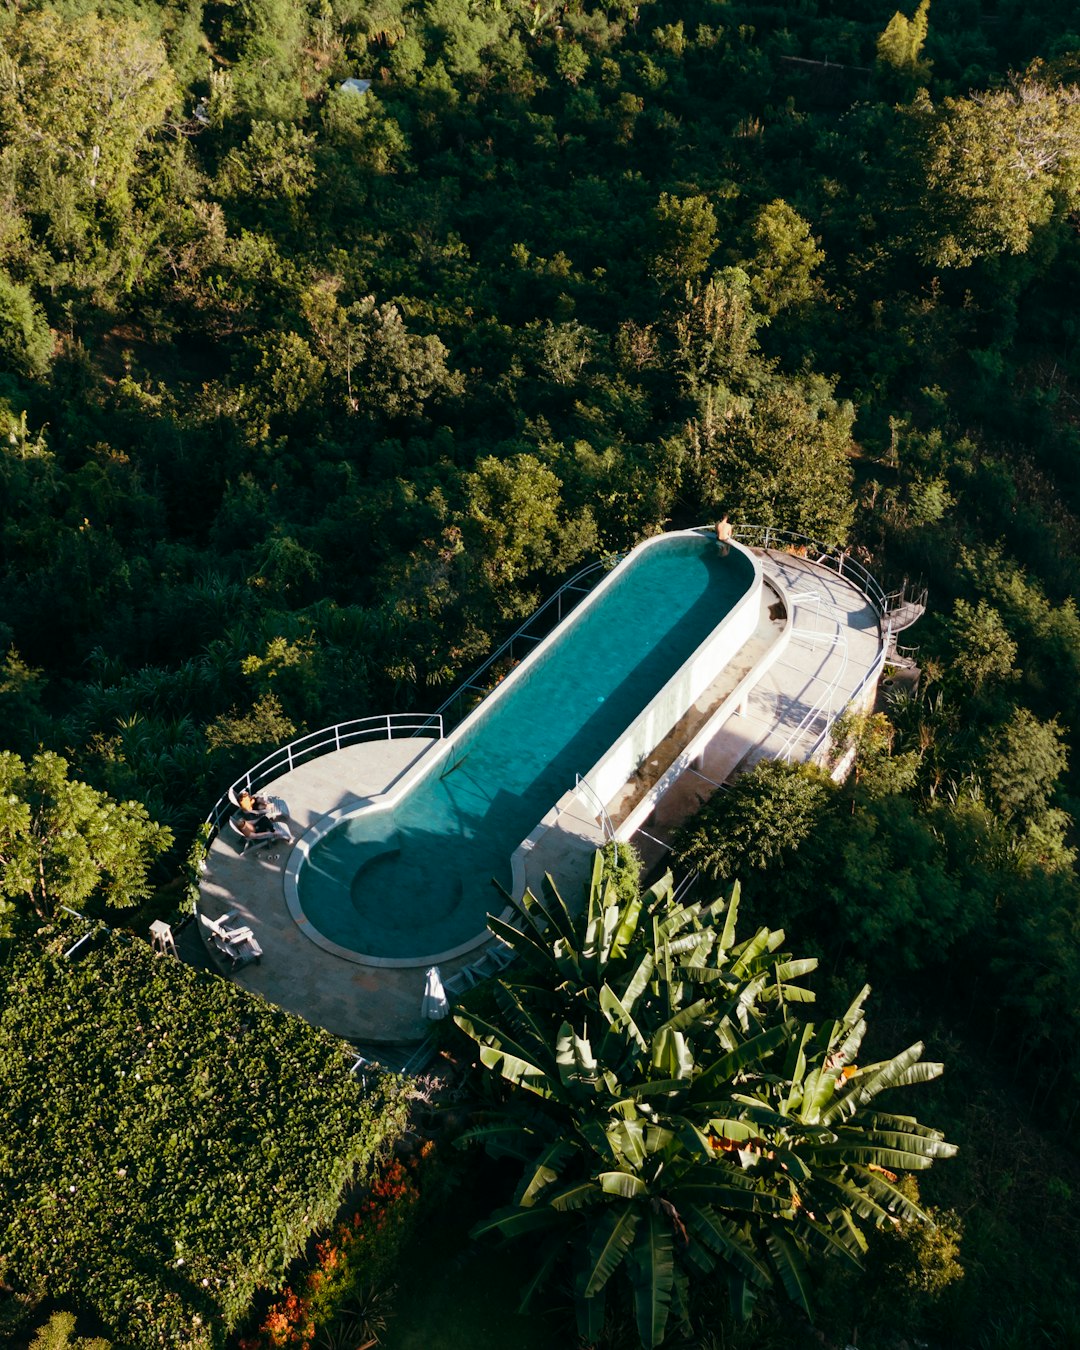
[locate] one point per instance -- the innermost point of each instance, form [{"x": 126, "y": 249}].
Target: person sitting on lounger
[
  {"x": 261, "y": 828},
  {"x": 252, "y": 806}
]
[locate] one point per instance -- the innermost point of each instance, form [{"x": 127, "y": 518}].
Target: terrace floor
[{"x": 835, "y": 642}]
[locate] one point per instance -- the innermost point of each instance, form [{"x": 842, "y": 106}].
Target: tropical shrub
[
  {"x": 169, "y": 1142},
  {"x": 673, "y": 1117}
]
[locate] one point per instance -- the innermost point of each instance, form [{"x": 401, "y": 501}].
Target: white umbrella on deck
[{"x": 435, "y": 1004}]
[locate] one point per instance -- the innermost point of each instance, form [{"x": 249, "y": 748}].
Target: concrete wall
[{"x": 681, "y": 692}]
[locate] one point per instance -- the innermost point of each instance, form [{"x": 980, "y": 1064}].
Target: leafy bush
[
  {"x": 169, "y": 1142},
  {"x": 346, "y": 1294}
]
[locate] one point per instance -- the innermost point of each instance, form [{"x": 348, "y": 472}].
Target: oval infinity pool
[{"x": 415, "y": 878}]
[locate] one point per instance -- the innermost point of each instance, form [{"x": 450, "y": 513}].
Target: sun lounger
[{"x": 239, "y": 945}]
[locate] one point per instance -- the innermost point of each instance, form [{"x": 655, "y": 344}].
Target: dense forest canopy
[{"x": 309, "y": 390}]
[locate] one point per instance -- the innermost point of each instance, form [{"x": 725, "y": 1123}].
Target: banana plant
[{"x": 674, "y": 1119}]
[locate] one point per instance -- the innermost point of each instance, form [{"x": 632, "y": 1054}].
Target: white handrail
[
  {"x": 325, "y": 741},
  {"x": 829, "y": 558},
  {"x": 580, "y": 781}
]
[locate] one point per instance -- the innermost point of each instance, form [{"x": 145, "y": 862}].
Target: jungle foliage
[
  {"x": 307, "y": 394},
  {"x": 169, "y": 1142}
]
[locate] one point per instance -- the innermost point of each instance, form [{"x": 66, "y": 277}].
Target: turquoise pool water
[{"x": 416, "y": 880}]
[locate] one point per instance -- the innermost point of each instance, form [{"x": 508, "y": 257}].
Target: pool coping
[{"x": 441, "y": 749}]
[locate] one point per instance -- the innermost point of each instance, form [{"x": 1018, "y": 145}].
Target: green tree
[
  {"x": 26, "y": 344},
  {"x": 900, "y": 45},
  {"x": 673, "y": 1118},
  {"x": 58, "y": 1333},
  {"x": 716, "y": 335},
  {"x": 785, "y": 257},
  {"x": 763, "y": 817},
  {"x": 996, "y": 166},
  {"x": 1023, "y": 763},
  {"x": 515, "y": 527},
  {"x": 780, "y": 459},
  {"x": 64, "y": 843},
  {"x": 79, "y": 98},
  {"x": 685, "y": 238},
  {"x": 382, "y": 368},
  {"x": 983, "y": 651}
]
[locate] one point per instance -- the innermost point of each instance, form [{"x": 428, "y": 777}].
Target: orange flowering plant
[{"x": 358, "y": 1254}]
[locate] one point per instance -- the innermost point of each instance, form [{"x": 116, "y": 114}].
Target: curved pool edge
[{"x": 441, "y": 749}]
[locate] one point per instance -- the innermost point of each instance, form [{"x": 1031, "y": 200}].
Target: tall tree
[{"x": 63, "y": 843}]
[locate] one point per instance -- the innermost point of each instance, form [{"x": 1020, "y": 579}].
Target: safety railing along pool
[
  {"x": 325, "y": 741},
  {"x": 833, "y": 559}
]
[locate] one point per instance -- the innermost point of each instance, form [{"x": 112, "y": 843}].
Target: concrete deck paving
[{"x": 835, "y": 642}]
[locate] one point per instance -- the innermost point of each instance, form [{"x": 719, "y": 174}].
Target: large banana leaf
[
  {"x": 723, "y": 1237},
  {"x": 608, "y": 1245},
  {"x": 894, "y": 1159},
  {"x": 525, "y": 941},
  {"x": 515, "y": 1062},
  {"x": 624, "y": 934},
  {"x": 529, "y": 1032},
  {"x": 505, "y": 1138},
  {"x": 791, "y": 1267},
  {"x": 548, "y": 1257},
  {"x": 900, "y": 1071},
  {"x": 751, "y": 1052},
  {"x": 576, "y": 1195},
  {"x": 727, "y": 937},
  {"x": 819, "y": 1089},
  {"x": 557, "y": 910},
  {"x": 884, "y": 1120},
  {"x": 618, "y": 1013},
  {"x": 837, "y": 1235},
  {"x": 652, "y": 1270},
  {"x": 795, "y": 1067},
  {"x": 546, "y": 1169},
  {"x": 928, "y": 1145},
  {"x": 575, "y": 1058},
  {"x": 625, "y": 1185},
  {"x": 639, "y": 981},
  {"x": 888, "y": 1195},
  {"x": 516, "y": 1222},
  {"x": 671, "y": 1053},
  {"x": 589, "y": 1308},
  {"x": 686, "y": 1017},
  {"x": 761, "y": 942},
  {"x": 627, "y": 1141}
]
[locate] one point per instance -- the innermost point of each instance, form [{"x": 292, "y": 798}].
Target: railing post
[{"x": 389, "y": 733}]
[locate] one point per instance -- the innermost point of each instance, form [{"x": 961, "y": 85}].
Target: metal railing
[
  {"x": 821, "y": 555},
  {"x": 535, "y": 628},
  {"x": 822, "y": 708},
  {"x": 324, "y": 742},
  {"x": 455, "y": 708},
  {"x": 582, "y": 783},
  {"x": 871, "y": 676}
]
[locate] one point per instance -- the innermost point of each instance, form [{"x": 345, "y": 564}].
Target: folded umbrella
[{"x": 435, "y": 1004}]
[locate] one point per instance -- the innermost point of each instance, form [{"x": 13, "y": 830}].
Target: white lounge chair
[{"x": 240, "y": 945}]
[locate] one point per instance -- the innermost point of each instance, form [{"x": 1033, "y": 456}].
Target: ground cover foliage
[
  {"x": 306, "y": 395},
  {"x": 169, "y": 1142}
]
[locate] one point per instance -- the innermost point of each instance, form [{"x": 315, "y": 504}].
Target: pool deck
[{"x": 835, "y": 640}]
